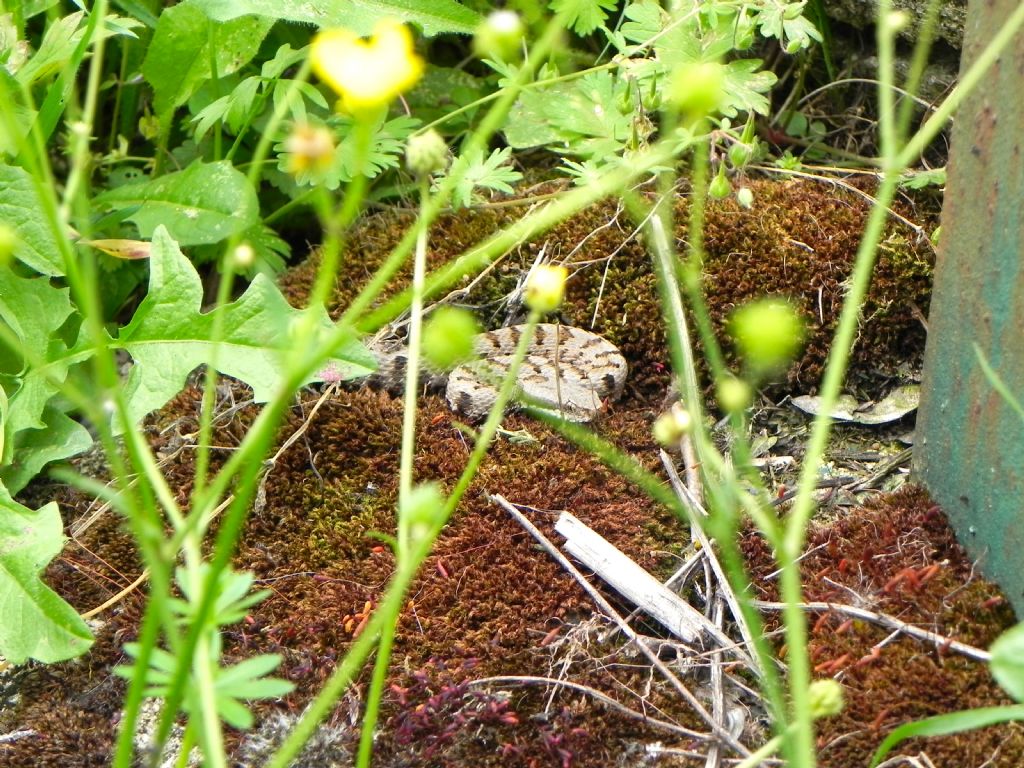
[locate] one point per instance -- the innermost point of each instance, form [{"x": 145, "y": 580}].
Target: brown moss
[
  {"x": 799, "y": 240},
  {"x": 900, "y": 556},
  {"x": 487, "y": 600}
]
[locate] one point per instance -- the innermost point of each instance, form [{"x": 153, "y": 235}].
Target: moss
[
  {"x": 799, "y": 240},
  {"x": 900, "y": 556},
  {"x": 486, "y": 593}
]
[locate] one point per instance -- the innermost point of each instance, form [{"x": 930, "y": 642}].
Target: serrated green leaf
[
  {"x": 645, "y": 21},
  {"x": 474, "y": 172},
  {"x": 435, "y": 17},
  {"x": 590, "y": 108},
  {"x": 528, "y": 125},
  {"x": 37, "y": 623},
  {"x": 386, "y": 147},
  {"x": 21, "y": 209},
  {"x": 205, "y": 203},
  {"x": 60, "y": 438},
  {"x": 178, "y": 58},
  {"x": 745, "y": 86},
  {"x": 168, "y": 337},
  {"x": 584, "y": 16},
  {"x": 35, "y": 311},
  {"x": 241, "y": 102},
  {"x": 284, "y": 57}
]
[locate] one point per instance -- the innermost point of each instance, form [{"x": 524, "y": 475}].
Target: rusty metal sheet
[{"x": 970, "y": 443}]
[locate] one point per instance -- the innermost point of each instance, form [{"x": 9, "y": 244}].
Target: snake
[{"x": 568, "y": 371}]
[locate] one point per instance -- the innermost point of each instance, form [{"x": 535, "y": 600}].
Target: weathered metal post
[{"x": 970, "y": 443}]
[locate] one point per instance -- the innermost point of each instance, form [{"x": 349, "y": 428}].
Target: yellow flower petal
[{"x": 367, "y": 74}]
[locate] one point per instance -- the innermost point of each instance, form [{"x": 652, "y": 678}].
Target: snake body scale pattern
[{"x": 567, "y": 370}]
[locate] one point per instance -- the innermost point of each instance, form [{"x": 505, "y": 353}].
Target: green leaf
[
  {"x": 35, "y": 311},
  {"x": 933, "y": 177},
  {"x": 745, "y": 86},
  {"x": 943, "y": 725},
  {"x": 435, "y": 17},
  {"x": 205, "y": 203},
  {"x": 168, "y": 337},
  {"x": 37, "y": 623},
  {"x": 583, "y": 116},
  {"x": 60, "y": 438},
  {"x": 440, "y": 91},
  {"x": 584, "y": 16},
  {"x": 178, "y": 59},
  {"x": 21, "y": 209},
  {"x": 646, "y": 20},
  {"x": 474, "y": 172},
  {"x": 61, "y": 39},
  {"x": 1008, "y": 661},
  {"x": 386, "y": 148}
]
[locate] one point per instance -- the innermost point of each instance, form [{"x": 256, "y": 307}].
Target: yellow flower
[{"x": 367, "y": 74}]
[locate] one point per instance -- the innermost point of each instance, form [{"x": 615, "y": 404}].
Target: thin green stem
[
  {"x": 389, "y": 608},
  {"x": 405, "y": 483}
]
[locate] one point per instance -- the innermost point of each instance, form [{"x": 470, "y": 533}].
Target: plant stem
[
  {"x": 389, "y": 608},
  {"x": 405, "y": 480}
]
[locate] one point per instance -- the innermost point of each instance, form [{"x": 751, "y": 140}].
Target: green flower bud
[
  {"x": 793, "y": 11},
  {"x": 670, "y": 427},
  {"x": 500, "y": 36},
  {"x": 745, "y": 197},
  {"x": 448, "y": 337},
  {"x": 734, "y": 394},
  {"x": 895, "y": 21},
  {"x": 743, "y": 36},
  {"x": 243, "y": 256},
  {"x": 767, "y": 332},
  {"x": 697, "y": 89},
  {"x": 720, "y": 187},
  {"x": 545, "y": 288},
  {"x": 826, "y": 698},
  {"x": 426, "y": 153},
  {"x": 740, "y": 154},
  {"x": 421, "y": 511}
]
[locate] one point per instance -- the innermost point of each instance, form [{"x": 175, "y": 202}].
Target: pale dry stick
[
  {"x": 657, "y": 750},
  {"x": 714, "y": 758},
  {"x": 916, "y": 229},
  {"x": 919, "y": 761},
  {"x": 674, "y": 582},
  {"x": 593, "y": 693},
  {"x": 268, "y": 465},
  {"x": 941, "y": 642},
  {"x": 627, "y": 630},
  {"x": 697, "y": 511},
  {"x": 119, "y": 596},
  {"x": 12, "y": 736}
]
